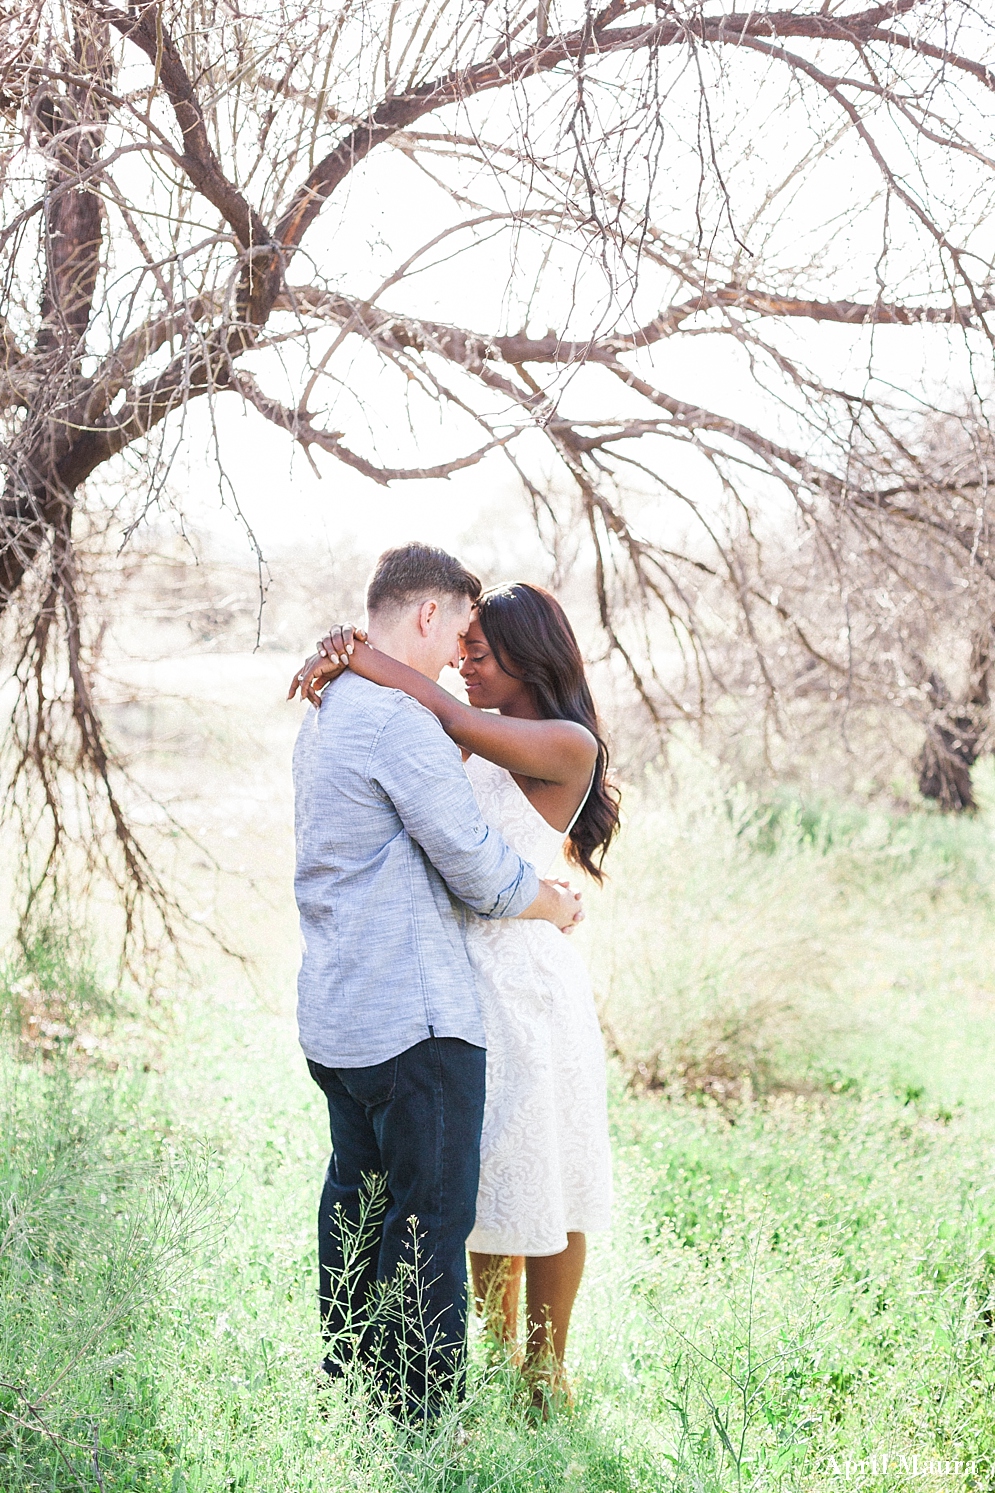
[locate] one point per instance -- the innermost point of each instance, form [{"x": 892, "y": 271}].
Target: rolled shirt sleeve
[{"x": 420, "y": 770}]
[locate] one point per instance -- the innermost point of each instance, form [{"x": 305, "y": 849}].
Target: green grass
[
  {"x": 99, "y": 1212},
  {"x": 802, "y": 1269},
  {"x": 803, "y": 950}
]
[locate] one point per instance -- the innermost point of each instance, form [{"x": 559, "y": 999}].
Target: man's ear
[{"x": 426, "y": 612}]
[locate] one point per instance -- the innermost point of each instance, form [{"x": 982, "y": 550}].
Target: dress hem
[{"x": 543, "y": 1253}]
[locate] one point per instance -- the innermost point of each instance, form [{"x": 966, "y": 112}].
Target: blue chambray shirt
[{"x": 388, "y": 834}]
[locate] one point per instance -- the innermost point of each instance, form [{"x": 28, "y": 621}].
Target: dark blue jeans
[{"x": 392, "y": 1270}]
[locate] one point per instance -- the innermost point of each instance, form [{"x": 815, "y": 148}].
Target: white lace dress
[{"x": 545, "y": 1160}]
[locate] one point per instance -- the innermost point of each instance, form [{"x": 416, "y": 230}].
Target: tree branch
[
  {"x": 938, "y": 54},
  {"x": 298, "y": 424},
  {"x": 833, "y": 88},
  {"x": 472, "y": 349},
  {"x": 148, "y": 32},
  {"x": 115, "y": 371},
  {"x": 400, "y": 111}
]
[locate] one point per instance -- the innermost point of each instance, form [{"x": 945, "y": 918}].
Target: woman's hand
[
  {"x": 331, "y": 659},
  {"x": 340, "y": 642},
  {"x": 313, "y": 676}
]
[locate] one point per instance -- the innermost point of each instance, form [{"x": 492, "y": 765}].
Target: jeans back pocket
[{"x": 371, "y": 1086}]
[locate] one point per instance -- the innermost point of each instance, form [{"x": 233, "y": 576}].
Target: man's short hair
[{"x": 414, "y": 573}]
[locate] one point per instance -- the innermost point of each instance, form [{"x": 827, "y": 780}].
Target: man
[{"x": 388, "y": 835}]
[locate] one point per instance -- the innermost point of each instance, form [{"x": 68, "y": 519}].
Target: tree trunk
[
  {"x": 958, "y": 733},
  {"x": 944, "y": 768}
]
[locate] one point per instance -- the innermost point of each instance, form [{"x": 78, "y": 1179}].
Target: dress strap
[{"x": 583, "y": 801}]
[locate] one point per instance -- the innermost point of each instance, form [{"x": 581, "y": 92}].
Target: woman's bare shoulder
[{"x": 576, "y": 738}]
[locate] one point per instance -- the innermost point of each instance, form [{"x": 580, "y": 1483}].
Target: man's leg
[
  {"x": 429, "y": 1140},
  {"x": 349, "y": 1234}
]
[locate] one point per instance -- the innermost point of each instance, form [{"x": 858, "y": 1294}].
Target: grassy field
[{"x": 799, "y": 1290}]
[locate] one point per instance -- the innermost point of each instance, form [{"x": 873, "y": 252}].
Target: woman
[{"x": 538, "y": 770}]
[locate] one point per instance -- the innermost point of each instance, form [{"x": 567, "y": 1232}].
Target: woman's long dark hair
[{"x": 530, "y": 637}]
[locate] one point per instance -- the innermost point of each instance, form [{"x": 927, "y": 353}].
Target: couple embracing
[{"x": 447, "y": 1020}]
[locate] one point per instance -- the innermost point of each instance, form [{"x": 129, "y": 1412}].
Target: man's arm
[{"x": 421, "y": 772}]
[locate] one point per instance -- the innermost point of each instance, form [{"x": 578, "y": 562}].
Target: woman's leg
[
  {"x": 497, "y": 1281},
  {"x": 551, "y": 1283}
]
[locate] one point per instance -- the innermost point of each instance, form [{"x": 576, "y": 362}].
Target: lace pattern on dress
[{"x": 545, "y": 1164}]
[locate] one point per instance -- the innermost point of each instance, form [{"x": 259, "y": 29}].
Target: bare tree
[
  {"x": 626, "y": 193},
  {"x": 874, "y": 652}
]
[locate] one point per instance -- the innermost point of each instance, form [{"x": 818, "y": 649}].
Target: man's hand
[{"x": 556, "y": 903}]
